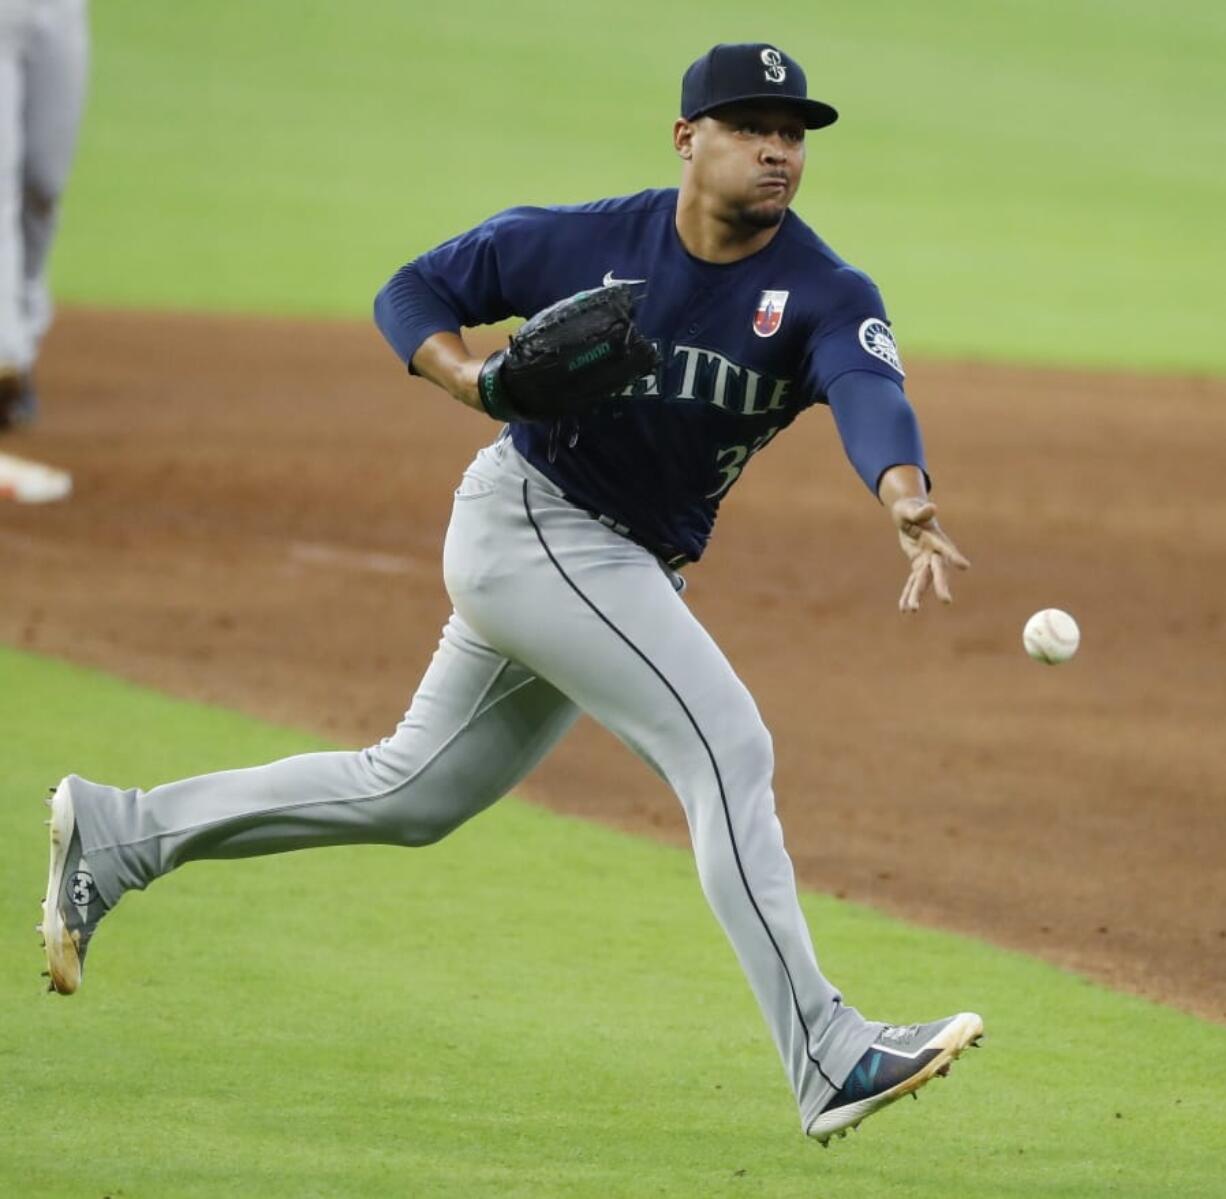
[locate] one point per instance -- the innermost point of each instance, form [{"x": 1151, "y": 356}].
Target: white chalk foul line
[{"x": 338, "y": 557}]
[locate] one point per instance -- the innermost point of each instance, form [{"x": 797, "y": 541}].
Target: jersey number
[{"x": 730, "y": 461}]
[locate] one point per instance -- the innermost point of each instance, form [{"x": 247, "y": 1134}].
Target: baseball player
[
  {"x": 673, "y": 334},
  {"x": 44, "y": 50}
]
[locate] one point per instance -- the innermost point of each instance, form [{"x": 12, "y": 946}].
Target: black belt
[{"x": 672, "y": 557}]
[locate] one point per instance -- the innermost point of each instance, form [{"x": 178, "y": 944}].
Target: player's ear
[{"x": 683, "y": 138}]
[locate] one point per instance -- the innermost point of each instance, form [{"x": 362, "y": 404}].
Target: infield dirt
[{"x": 257, "y": 521}]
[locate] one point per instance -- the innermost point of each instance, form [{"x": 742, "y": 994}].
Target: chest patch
[
  {"x": 876, "y": 338},
  {"x": 769, "y": 314}
]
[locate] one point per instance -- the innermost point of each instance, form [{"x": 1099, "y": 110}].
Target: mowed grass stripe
[{"x": 536, "y": 1007}]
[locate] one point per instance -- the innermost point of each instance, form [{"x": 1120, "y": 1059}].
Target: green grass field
[
  {"x": 536, "y": 1007},
  {"x": 1032, "y": 181}
]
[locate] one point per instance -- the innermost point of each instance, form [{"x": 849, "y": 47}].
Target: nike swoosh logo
[{"x": 611, "y": 281}]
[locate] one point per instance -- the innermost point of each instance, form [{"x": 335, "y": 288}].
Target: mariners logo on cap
[
  {"x": 769, "y": 316},
  {"x": 772, "y": 60},
  {"x": 876, "y": 338}
]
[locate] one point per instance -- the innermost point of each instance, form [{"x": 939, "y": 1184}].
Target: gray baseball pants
[
  {"x": 554, "y": 613},
  {"x": 44, "y": 57}
]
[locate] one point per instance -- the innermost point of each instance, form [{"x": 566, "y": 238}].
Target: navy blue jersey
[{"x": 745, "y": 347}]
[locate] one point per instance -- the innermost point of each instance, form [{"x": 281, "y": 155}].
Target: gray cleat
[
  {"x": 72, "y": 907},
  {"x": 897, "y": 1063}
]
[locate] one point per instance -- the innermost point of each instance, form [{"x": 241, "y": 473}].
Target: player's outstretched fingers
[
  {"x": 917, "y": 583},
  {"x": 940, "y": 579},
  {"x": 939, "y": 543}
]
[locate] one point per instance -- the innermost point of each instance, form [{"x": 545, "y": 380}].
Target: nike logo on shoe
[
  {"x": 898, "y": 1032},
  {"x": 610, "y": 280}
]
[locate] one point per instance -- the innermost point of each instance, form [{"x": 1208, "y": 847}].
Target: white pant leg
[
  {"x": 14, "y": 347},
  {"x": 476, "y": 726},
  {"x": 596, "y": 616},
  {"x": 551, "y": 607},
  {"x": 56, "y": 68}
]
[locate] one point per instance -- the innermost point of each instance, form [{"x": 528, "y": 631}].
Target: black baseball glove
[{"x": 568, "y": 358}]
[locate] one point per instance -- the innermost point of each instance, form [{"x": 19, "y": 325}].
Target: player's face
[{"x": 747, "y": 159}]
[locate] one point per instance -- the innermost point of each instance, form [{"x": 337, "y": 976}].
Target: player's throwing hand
[{"x": 929, "y": 550}]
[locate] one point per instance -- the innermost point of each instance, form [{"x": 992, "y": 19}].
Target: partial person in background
[{"x": 44, "y": 57}]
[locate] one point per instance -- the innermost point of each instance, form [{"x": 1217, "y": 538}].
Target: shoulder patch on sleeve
[{"x": 876, "y": 338}]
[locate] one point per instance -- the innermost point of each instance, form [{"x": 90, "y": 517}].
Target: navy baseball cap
[{"x": 727, "y": 74}]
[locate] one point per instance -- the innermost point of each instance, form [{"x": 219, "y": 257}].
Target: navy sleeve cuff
[
  {"x": 408, "y": 310},
  {"x": 877, "y": 424}
]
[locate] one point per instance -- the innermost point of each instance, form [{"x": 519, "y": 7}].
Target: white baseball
[{"x": 1051, "y": 636}]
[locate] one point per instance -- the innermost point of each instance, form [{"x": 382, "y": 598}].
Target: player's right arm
[
  {"x": 903, "y": 490},
  {"x": 854, "y": 363}
]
